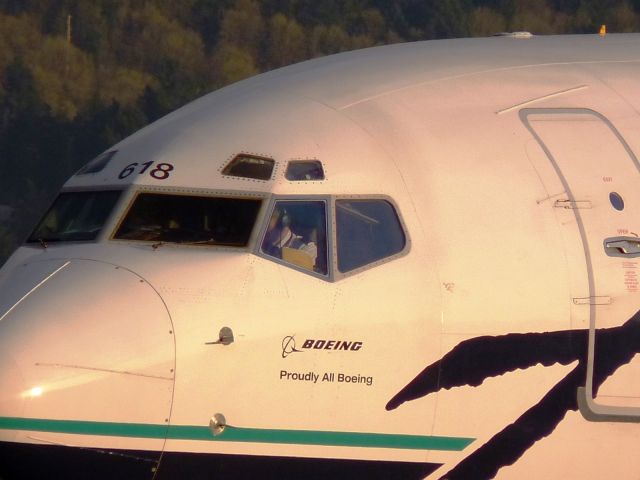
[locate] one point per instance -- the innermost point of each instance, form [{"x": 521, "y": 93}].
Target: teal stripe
[{"x": 236, "y": 434}]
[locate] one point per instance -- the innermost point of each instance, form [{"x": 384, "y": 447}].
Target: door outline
[{"x": 588, "y": 407}]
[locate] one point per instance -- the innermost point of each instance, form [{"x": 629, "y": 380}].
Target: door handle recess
[{"x": 622, "y": 247}]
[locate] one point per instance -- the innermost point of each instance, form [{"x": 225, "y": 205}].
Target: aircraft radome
[{"x": 412, "y": 261}]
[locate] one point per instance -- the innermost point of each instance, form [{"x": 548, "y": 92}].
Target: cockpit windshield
[
  {"x": 75, "y": 217},
  {"x": 190, "y": 219}
]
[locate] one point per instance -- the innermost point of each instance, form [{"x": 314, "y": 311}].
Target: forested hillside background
[{"x": 76, "y": 76}]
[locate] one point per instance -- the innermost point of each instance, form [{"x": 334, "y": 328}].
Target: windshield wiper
[
  {"x": 209, "y": 241},
  {"x": 156, "y": 245}
]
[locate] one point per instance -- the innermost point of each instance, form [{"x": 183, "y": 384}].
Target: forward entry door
[{"x": 601, "y": 178}]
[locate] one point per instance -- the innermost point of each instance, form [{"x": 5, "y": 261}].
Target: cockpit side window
[
  {"x": 75, "y": 217},
  {"x": 190, "y": 219},
  {"x": 297, "y": 234},
  {"x": 367, "y": 231}
]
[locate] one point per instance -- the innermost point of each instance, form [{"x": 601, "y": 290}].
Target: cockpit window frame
[
  {"x": 195, "y": 192},
  {"x": 338, "y": 275},
  {"x": 326, "y": 199},
  {"x": 333, "y": 273}
]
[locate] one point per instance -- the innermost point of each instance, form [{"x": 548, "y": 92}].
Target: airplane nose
[
  {"x": 87, "y": 359},
  {"x": 15, "y": 287}
]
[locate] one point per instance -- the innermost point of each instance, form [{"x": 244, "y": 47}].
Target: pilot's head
[{"x": 279, "y": 220}]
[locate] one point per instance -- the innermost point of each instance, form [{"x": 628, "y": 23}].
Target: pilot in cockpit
[{"x": 289, "y": 239}]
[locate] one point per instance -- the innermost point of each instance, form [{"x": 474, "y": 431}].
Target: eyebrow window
[
  {"x": 187, "y": 219},
  {"x": 304, "y": 170},
  {"x": 250, "y": 166},
  {"x": 297, "y": 234},
  {"x": 366, "y": 231},
  {"x": 97, "y": 164}
]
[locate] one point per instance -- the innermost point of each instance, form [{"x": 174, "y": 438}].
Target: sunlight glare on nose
[{"x": 35, "y": 392}]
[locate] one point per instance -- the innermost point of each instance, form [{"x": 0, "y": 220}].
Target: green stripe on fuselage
[{"x": 237, "y": 434}]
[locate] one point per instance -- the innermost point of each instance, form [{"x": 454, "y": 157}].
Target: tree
[
  {"x": 206, "y": 16},
  {"x": 484, "y": 22},
  {"x": 64, "y": 76},
  {"x": 326, "y": 40},
  {"x": 243, "y": 27},
  {"x": 311, "y": 13},
  {"x": 21, "y": 96},
  {"x": 442, "y": 19},
  {"x": 533, "y": 16},
  {"x": 19, "y": 37},
  {"x": 122, "y": 85},
  {"x": 622, "y": 18},
  {"x": 234, "y": 63},
  {"x": 591, "y": 14},
  {"x": 89, "y": 28},
  {"x": 102, "y": 127},
  {"x": 374, "y": 24},
  {"x": 286, "y": 42},
  {"x": 241, "y": 42},
  {"x": 162, "y": 54}
]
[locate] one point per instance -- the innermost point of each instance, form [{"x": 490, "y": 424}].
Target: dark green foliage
[
  {"x": 20, "y": 92},
  {"x": 206, "y": 16},
  {"x": 16, "y": 7},
  {"x": 77, "y": 76},
  {"x": 441, "y": 19}
]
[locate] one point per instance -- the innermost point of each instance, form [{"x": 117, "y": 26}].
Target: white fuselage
[{"x": 511, "y": 167}]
